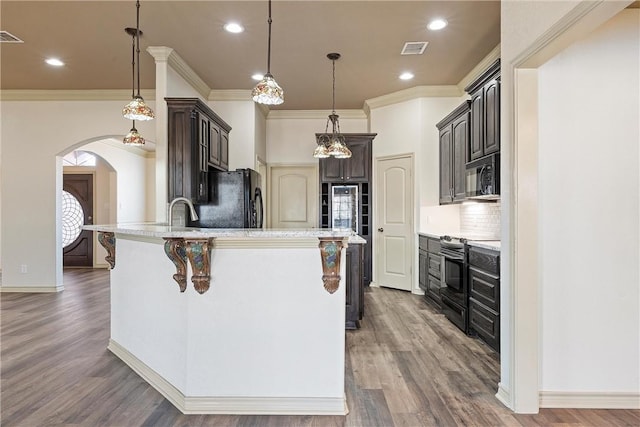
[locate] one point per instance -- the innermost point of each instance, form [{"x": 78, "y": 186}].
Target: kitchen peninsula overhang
[{"x": 184, "y": 245}]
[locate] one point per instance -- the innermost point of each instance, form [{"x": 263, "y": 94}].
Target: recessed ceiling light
[
  {"x": 406, "y": 76},
  {"x": 54, "y": 61},
  {"x": 257, "y": 77},
  {"x": 437, "y": 24},
  {"x": 233, "y": 27}
]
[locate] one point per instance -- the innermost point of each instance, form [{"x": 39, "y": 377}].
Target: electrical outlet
[{"x": 23, "y": 268}]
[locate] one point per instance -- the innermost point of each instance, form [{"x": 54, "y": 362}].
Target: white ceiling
[{"x": 89, "y": 37}]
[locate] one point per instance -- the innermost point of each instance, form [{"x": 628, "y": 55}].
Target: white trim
[
  {"x": 32, "y": 289},
  {"x": 413, "y": 93},
  {"x": 589, "y": 400},
  {"x": 479, "y": 68},
  {"x": 175, "y": 61},
  {"x": 72, "y": 95},
  {"x": 503, "y": 395},
  {"x": 314, "y": 114},
  {"x": 257, "y": 405}
]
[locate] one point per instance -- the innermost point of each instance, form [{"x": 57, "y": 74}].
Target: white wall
[
  {"x": 589, "y": 198},
  {"x": 240, "y": 115},
  {"x": 292, "y": 139},
  {"x": 31, "y": 225}
]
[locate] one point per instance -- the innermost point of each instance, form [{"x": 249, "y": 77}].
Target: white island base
[{"x": 265, "y": 338}]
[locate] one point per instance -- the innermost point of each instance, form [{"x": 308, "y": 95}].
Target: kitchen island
[{"x": 258, "y": 328}]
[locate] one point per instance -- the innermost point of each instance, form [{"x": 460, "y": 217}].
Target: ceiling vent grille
[
  {"x": 414, "y": 48},
  {"x": 7, "y": 37}
]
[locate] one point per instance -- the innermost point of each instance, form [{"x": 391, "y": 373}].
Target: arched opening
[{"x": 121, "y": 181}]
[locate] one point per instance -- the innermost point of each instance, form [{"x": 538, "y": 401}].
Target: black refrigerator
[{"x": 235, "y": 201}]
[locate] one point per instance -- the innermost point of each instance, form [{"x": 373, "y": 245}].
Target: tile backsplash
[{"x": 480, "y": 219}]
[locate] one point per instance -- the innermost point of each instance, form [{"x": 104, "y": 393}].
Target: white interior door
[
  {"x": 394, "y": 222},
  {"x": 294, "y": 196}
]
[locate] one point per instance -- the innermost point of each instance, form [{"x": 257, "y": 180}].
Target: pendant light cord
[
  {"x": 333, "y": 105},
  {"x": 269, "y": 45},
  {"x": 133, "y": 66},
  {"x": 138, "y": 40}
]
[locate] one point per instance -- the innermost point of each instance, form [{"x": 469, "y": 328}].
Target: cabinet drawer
[
  {"x": 433, "y": 246},
  {"x": 485, "y": 323},
  {"x": 485, "y": 288},
  {"x": 433, "y": 289},
  {"x": 485, "y": 259},
  {"x": 434, "y": 265},
  {"x": 423, "y": 242}
]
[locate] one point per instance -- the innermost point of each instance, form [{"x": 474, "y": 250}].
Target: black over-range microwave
[{"x": 483, "y": 178}]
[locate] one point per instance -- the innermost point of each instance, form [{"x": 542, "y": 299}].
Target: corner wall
[{"x": 589, "y": 213}]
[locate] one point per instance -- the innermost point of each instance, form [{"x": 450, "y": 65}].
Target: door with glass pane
[{"x": 77, "y": 210}]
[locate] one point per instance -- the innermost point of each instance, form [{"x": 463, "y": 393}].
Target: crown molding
[
  {"x": 479, "y": 68},
  {"x": 73, "y": 95},
  {"x": 175, "y": 61},
  {"x": 413, "y": 93},
  {"x": 314, "y": 114}
]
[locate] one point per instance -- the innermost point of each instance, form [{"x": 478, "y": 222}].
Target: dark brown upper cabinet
[
  {"x": 485, "y": 113},
  {"x": 357, "y": 168},
  {"x": 198, "y": 142},
  {"x": 454, "y": 140}
]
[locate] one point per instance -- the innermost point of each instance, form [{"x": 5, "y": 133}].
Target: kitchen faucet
[{"x": 192, "y": 210}]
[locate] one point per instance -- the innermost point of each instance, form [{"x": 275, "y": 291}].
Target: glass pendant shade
[
  {"x": 133, "y": 138},
  {"x": 138, "y": 110},
  {"x": 321, "y": 152},
  {"x": 338, "y": 149},
  {"x": 267, "y": 91}
]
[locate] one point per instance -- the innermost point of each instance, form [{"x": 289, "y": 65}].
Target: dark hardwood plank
[{"x": 406, "y": 366}]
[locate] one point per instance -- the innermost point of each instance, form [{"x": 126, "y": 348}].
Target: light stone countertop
[
  {"x": 430, "y": 234},
  {"x": 158, "y": 230}
]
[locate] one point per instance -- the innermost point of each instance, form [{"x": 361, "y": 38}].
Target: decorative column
[
  {"x": 108, "y": 241},
  {"x": 198, "y": 254},
  {"x": 177, "y": 253},
  {"x": 331, "y": 252}
]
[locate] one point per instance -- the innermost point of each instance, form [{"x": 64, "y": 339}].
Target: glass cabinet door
[{"x": 344, "y": 207}]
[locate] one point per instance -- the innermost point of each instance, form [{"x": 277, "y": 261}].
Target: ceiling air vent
[
  {"x": 414, "y": 48},
  {"x": 7, "y": 37}
]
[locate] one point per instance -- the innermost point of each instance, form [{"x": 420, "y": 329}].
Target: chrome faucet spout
[{"x": 192, "y": 209}]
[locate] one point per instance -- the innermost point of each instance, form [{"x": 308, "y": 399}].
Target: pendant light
[
  {"x": 332, "y": 144},
  {"x": 133, "y": 138},
  {"x": 267, "y": 91},
  {"x": 137, "y": 109}
]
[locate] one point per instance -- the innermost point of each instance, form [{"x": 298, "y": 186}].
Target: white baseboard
[
  {"x": 253, "y": 405},
  {"x": 589, "y": 400},
  {"x": 32, "y": 289},
  {"x": 504, "y": 395}
]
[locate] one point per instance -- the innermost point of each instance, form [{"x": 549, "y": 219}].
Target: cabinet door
[
  {"x": 476, "y": 140},
  {"x": 201, "y": 189},
  {"x": 331, "y": 169},
  {"x": 445, "y": 166},
  {"x": 356, "y": 168},
  {"x": 491, "y": 143},
  {"x": 354, "y": 288},
  {"x": 224, "y": 149},
  {"x": 214, "y": 144},
  {"x": 460, "y": 139},
  {"x": 433, "y": 289},
  {"x": 423, "y": 270}
]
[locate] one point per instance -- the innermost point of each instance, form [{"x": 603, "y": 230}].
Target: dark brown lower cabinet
[
  {"x": 484, "y": 295},
  {"x": 429, "y": 268},
  {"x": 355, "y": 286}
]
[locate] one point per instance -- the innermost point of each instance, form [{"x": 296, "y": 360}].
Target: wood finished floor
[{"x": 406, "y": 366}]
